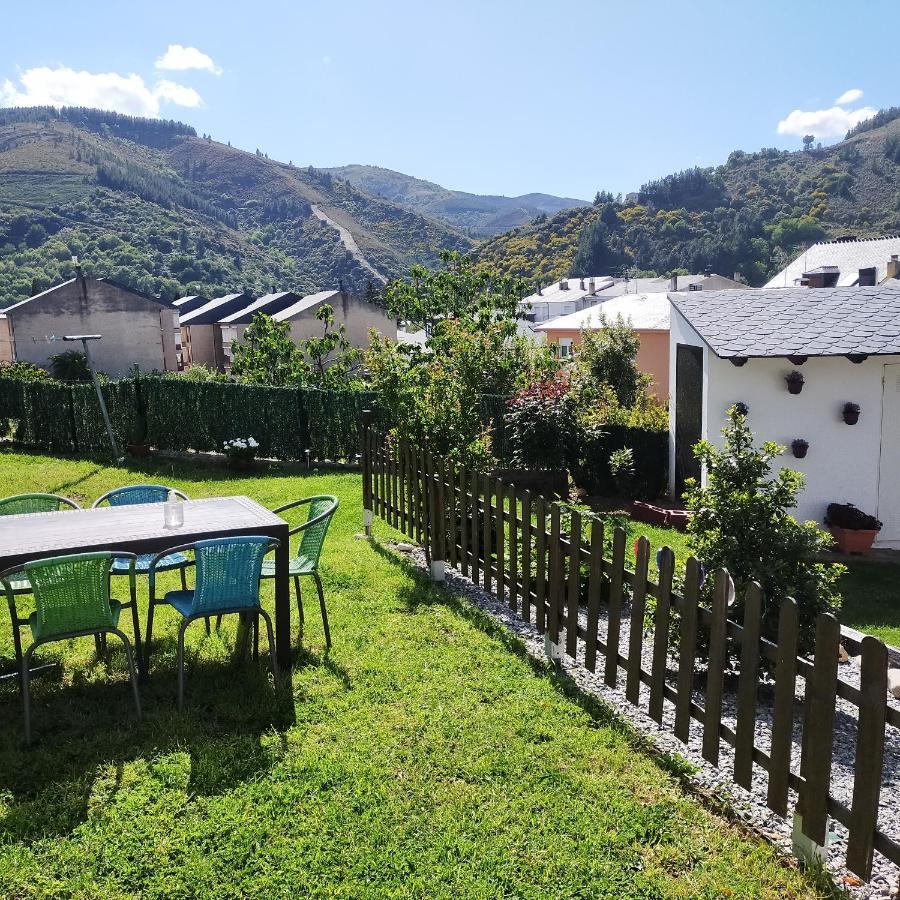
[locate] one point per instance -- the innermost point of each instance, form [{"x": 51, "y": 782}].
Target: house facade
[
  {"x": 735, "y": 347},
  {"x": 136, "y": 329},
  {"x": 201, "y": 345}
]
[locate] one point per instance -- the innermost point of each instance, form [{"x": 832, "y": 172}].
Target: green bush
[{"x": 649, "y": 456}]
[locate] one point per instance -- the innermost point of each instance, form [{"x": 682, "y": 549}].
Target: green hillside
[
  {"x": 479, "y": 215},
  {"x": 750, "y": 215},
  {"x": 155, "y": 206}
]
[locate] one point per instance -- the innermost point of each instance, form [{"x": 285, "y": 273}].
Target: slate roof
[
  {"x": 796, "y": 321},
  {"x": 303, "y": 304},
  {"x": 848, "y": 256},
  {"x": 210, "y": 313},
  {"x": 268, "y": 304}
]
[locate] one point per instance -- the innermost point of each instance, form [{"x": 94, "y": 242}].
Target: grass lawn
[
  {"x": 872, "y": 599},
  {"x": 425, "y": 756}
]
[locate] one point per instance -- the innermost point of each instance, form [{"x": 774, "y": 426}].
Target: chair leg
[
  {"x": 256, "y": 638},
  {"x": 98, "y": 646},
  {"x": 271, "y": 635},
  {"x": 26, "y": 691},
  {"x": 318, "y": 581},
  {"x": 299, "y": 601},
  {"x": 147, "y": 637},
  {"x": 129, "y": 656},
  {"x": 136, "y": 625},
  {"x": 180, "y": 663},
  {"x": 218, "y": 623}
]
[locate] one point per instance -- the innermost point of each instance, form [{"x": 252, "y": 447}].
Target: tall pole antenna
[{"x": 84, "y": 338}]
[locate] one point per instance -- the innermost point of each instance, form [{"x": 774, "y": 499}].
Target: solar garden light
[{"x": 85, "y": 338}]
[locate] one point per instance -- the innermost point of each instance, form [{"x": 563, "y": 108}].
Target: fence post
[
  {"x": 436, "y": 519},
  {"x": 367, "y": 470}
]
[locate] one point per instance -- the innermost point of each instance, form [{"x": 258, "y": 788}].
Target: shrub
[
  {"x": 742, "y": 522},
  {"x": 24, "y": 371},
  {"x": 541, "y": 425},
  {"x": 70, "y": 365}
]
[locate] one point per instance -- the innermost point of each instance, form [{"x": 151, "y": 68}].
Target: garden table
[{"x": 139, "y": 529}]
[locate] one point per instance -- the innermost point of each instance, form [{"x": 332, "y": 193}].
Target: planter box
[
  {"x": 853, "y": 541},
  {"x": 546, "y": 482},
  {"x": 647, "y": 512},
  {"x": 678, "y": 518}
]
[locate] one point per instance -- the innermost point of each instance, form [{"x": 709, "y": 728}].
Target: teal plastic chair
[
  {"x": 227, "y": 582},
  {"x": 72, "y": 599},
  {"x": 313, "y": 531},
  {"x": 20, "y": 504},
  {"x": 134, "y": 494}
]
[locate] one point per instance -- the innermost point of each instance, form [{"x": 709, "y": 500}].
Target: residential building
[
  {"x": 231, "y": 328},
  {"x": 647, "y": 314},
  {"x": 137, "y": 329},
  {"x": 739, "y": 346},
  {"x": 842, "y": 263},
  {"x": 357, "y": 315},
  {"x": 198, "y": 335},
  {"x": 564, "y": 297}
]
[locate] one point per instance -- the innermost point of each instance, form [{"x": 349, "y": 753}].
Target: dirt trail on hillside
[{"x": 349, "y": 242}]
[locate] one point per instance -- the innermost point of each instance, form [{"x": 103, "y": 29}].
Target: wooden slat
[
  {"x": 475, "y": 536},
  {"x": 574, "y": 586},
  {"x": 614, "y": 622},
  {"x": 440, "y": 513},
  {"x": 554, "y": 590},
  {"x": 636, "y": 635},
  {"x": 499, "y": 529},
  {"x": 449, "y": 478},
  {"x": 389, "y": 476},
  {"x": 415, "y": 500},
  {"x": 745, "y": 730},
  {"x": 687, "y": 650},
  {"x": 783, "y": 709},
  {"x": 428, "y": 504},
  {"x": 818, "y": 730},
  {"x": 464, "y": 516},
  {"x": 540, "y": 572},
  {"x": 513, "y": 579},
  {"x": 661, "y": 633},
  {"x": 723, "y": 591},
  {"x": 486, "y": 542},
  {"x": 526, "y": 555},
  {"x": 401, "y": 451},
  {"x": 869, "y": 756},
  {"x": 595, "y": 590}
]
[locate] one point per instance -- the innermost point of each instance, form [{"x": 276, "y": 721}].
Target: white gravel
[{"x": 748, "y": 806}]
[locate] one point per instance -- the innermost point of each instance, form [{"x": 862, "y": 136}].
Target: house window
[{"x": 565, "y": 348}]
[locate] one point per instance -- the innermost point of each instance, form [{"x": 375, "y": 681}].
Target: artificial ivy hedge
[
  {"x": 171, "y": 414},
  {"x": 650, "y": 450}
]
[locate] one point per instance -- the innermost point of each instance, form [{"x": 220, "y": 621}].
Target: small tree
[
  {"x": 330, "y": 358},
  {"x": 808, "y": 141},
  {"x": 70, "y": 365},
  {"x": 741, "y": 521},
  {"x": 608, "y": 356},
  {"x": 267, "y": 354}
]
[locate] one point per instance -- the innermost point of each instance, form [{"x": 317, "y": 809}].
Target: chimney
[
  {"x": 582, "y": 285},
  {"x": 540, "y": 294},
  {"x": 592, "y": 286},
  {"x": 893, "y": 268},
  {"x": 564, "y": 284},
  {"x": 867, "y": 277},
  {"x": 673, "y": 283}
]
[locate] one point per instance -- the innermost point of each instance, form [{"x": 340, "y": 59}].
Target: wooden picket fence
[{"x": 512, "y": 542}]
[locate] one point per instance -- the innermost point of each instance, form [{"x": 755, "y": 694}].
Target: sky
[{"x": 565, "y": 97}]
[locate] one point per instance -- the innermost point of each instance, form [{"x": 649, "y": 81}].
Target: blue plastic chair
[{"x": 227, "y": 582}]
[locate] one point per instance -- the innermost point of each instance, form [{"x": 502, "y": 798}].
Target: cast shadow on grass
[{"x": 86, "y": 736}]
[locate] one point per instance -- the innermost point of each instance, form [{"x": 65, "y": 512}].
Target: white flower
[{"x": 252, "y": 442}]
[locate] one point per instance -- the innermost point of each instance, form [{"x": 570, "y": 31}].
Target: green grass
[
  {"x": 425, "y": 756},
  {"x": 872, "y": 599}
]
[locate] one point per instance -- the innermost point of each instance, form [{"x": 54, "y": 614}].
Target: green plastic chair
[
  {"x": 306, "y": 563},
  {"x": 20, "y": 504},
  {"x": 227, "y": 582},
  {"x": 71, "y": 596}
]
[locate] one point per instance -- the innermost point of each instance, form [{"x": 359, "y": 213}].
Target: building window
[{"x": 565, "y": 348}]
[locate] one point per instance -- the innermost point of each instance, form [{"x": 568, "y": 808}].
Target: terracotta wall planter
[{"x": 856, "y": 541}]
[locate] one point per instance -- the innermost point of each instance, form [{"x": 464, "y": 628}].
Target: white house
[
  {"x": 738, "y": 346},
  {"x": 842, "y": 263}
]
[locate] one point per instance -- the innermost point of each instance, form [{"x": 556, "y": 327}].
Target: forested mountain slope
[
  {"x": 151, "y": 204},
  {"x": 750, "y": 215},
  {"x": 479, "y": 215}
]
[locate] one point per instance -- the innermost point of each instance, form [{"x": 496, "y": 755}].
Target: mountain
[
  {"x": 153, "y": 205},
  {"x": 751, "y": 215},
  {"x": 478, "y": 215}
]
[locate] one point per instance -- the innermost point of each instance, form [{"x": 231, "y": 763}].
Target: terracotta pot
[{"x": 853, "y": 541}]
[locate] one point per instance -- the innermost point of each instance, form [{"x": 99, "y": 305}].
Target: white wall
[{"x": 843, "y": 460}]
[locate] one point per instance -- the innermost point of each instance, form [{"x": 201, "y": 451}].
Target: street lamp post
[{"x": 85, "y": 338}]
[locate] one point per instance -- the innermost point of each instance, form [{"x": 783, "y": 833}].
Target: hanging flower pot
[
  {"x": 799, "y": 447},
  {"x": 851, "y": 413},
  {"x": 795, "y": 381},
  {"x": 741, "y": 408}
]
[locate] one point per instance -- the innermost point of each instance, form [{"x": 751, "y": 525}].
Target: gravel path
[{"x": 748, "y": 806}]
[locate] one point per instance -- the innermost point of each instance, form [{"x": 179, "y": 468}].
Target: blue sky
[{"x": 564, "y": 97}]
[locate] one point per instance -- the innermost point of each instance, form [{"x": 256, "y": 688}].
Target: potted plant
[
  {"x": 240, "y": 452},
  {"x": 795, "y": 381},
  {"x": 799, "y": 447},
  {"x": 851, "y": 413},
  {"x": 741, "y": 408},
  {"x": 853, "y": 530}
]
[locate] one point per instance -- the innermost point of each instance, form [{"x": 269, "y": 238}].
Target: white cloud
[
  {"x": 62, "y": 86},
  {"x": 850, "y": 96},
  {"x": 824, "y": 123},
  {"x": 178, "y": 94},
  {"x": 178, "y": 59}
]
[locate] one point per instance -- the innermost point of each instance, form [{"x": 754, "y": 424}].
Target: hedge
[
  {"x": 183, "y": 415},
  {"x": 650, "y": 450}
]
